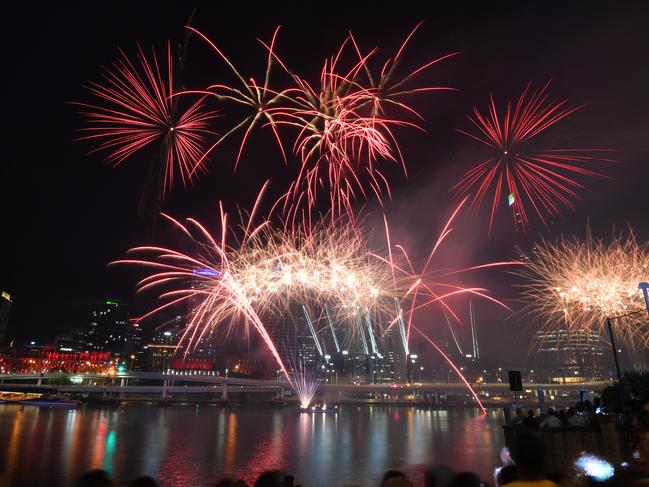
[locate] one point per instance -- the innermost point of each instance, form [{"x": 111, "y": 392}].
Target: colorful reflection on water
[{"x": 189, "y": 445}]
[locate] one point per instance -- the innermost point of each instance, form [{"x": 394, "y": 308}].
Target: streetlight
[
  {"x": 645, "y": 290},
  {"x": 609, "y": 324},
  {"x": 617, "y": 363}
]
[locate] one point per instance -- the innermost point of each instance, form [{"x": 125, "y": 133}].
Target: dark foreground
[{"x": 185, "y": 445}]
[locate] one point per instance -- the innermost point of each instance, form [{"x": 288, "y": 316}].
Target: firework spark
[
  {"x": 259, "y": 99},
  {"x": 204, "y": 280},
  {"x": 345, "y": 126},
  {"x": 268, "y": 270},
  {"x": 421, "y": 286},
  {"x": 137, "y": 111},
  {"x": 305, "y": 382},
  {"x": 519, "y": 173},
  {"x": 329, "y": 265},
  {"x": 577, "y": 284},
  {"x": 231, "y": 283},
  {"x": 344, "y": 123}
]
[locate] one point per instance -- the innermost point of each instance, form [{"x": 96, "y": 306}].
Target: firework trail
[
  {"x": 577, "y": 284},
  {"x": 258, "y": 99},
  {"x": 453, "y": 366},
  {"x": 424, "y": 285},
  {"x": 344, "y": 124},
  {"x": 267, "y": 270},
  {"x": 203, "y": 279},
  {"x": 519, "y": 172},
  {"x": 305, "y": 382},
  {"x": 330, "y": 265},
  {"x": 345, "y": 128},
  {"x": 232, "y": 282},
  {"x": 135, "y": 110},
  {"x": 419, "y": 287}
]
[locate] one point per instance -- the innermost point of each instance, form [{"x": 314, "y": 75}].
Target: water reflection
[
  {"x": 190, "y": 446},
  {"x": 231, "y": 445}
]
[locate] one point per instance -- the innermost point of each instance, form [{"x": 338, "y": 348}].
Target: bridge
[{"x": 166, "y": 385}]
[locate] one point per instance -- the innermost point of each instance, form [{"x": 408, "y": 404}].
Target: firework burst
[
  {"x": 137, "y": 111},
  {"x": 204, "y": 280},
  {"x": 578, "y": 284},
  {"x": 346, "y": 125},
  {"x": 518, "y": 172},
  {"x": 229, "y": 283},
  {"x": 260, "y": 100},
  {"x": 424, "y": 285}
]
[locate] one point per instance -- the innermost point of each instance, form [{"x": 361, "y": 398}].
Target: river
[{"x": 189, "y": 445}]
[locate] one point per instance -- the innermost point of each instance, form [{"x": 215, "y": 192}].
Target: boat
[
  {"x": 15, "y": 394},
  {"x": 321, "y": 408},
  {"x": 52, "y": 400}
]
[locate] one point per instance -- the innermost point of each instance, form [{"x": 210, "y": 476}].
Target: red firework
[
  {"x": 259, "y": 99},
  {"x": 138, "y": 110},
  {"x": 345, "y": 126},
  {"x": 426, "y": 286},
  {"x": 537, "y": 177}
]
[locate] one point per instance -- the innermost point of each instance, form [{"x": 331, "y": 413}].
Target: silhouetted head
[
  {"x": 465, "y": 479},
  {"x": 272, "y": 478},
  {"x": 440, "y": 475},
  {"x": 506, "y": 475},
  {"x": 95, "y": 478},
  {"x": 225, "y": 482},
  {"x": 528, "y": 453},
  {"x": 143, "y": 481},
  {"x": 395, "y": 478},
  {"x": 530, "y": 413}
]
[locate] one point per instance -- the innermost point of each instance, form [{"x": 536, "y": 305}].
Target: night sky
[{"x": 65, "y": 214}]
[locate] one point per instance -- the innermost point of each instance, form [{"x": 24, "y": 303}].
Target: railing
[
  {"x": 564, "y": 445},
  {"x": 398, "y": 387}
]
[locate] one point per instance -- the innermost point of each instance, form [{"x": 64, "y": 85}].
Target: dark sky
[{"x": 66, "y": 214}]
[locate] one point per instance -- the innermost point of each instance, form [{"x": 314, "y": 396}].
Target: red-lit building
[
  {"x": 192, "y": 363},
  {"x": 51, "y": 361}
]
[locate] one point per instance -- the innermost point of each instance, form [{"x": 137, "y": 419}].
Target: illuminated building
[
  {"x": 134, "y": 348},
  {"x": 108, "y": 328},
  {"x": 564, "y": 356},
  {"x": 47, "y": 360},
  {"x": 180, "y": 362},
  {"x": 5, "y": 310},
  {"x": 73, "y": 341},
  {"x": 162, "y": 348}
]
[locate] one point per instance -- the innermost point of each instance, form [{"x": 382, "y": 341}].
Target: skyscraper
[
  {"x": 164, "y": 344},
  {"x": 108, "y": 327},
  {"x": 73, "y": 341},
  {"x": 5, "y": 310}
]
